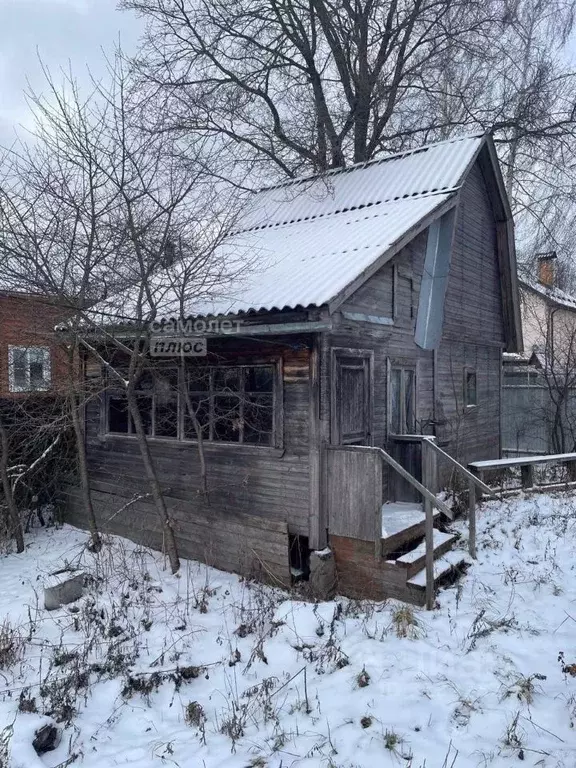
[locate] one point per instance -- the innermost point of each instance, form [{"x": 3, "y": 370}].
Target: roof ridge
[{"x": 366, "y": 163}]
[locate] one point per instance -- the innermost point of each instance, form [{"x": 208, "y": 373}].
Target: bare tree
[
  {"x": 551, "y": 334},
  {"x": 311, "y": 84},
  {"x": 109, "y": 220},
  {"x": 283, "y": 87}
]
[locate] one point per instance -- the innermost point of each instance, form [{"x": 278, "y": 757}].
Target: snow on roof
[
  {"x": 432, "y": 169},
  {"x": 553, "y": 294},
  {"x": 306, "y": 240},
  {"x": 312, "y": 237},
  {"x": 309, "y": 262}
]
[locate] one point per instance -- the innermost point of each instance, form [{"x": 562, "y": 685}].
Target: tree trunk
[
  {"x": 83, "y": 472},
  {"x": 170, "y": 539},
  {"x": 13, "y": 514},
  {"x": 199, "y": 437}
]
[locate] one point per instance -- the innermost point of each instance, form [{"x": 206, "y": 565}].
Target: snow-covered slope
[{"x": 203, "y": 669}]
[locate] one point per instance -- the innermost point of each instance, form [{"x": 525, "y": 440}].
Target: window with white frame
[{"x": 28, "y": 368}]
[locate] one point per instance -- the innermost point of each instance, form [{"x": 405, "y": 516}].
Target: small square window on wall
[
  {"x": 28, "y": 369},
  {"x": 470, "y": 389}
]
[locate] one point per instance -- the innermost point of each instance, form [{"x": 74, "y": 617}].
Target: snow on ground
[{"x": 204, "y": 669}]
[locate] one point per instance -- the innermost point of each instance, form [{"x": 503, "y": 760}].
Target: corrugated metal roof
[
  {"x": 309, "y": 262},
  {"x": 305, "y": 241}
]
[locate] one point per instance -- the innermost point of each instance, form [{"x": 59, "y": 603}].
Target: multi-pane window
[
  {"x": 28, "y": 368},
  {"x": 402, "y": 417},
  {"x": 157, "y": 397},
  {"x": 470, "y": 388},
  {"x": 522, "y": 378},
  {"x": 232, "y": 404}
]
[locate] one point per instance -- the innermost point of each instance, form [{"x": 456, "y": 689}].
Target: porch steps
[
  {"x": 403, "y": 563},
  {"x": 415, "y": 559},
  {"x": 398, "y": 570},
  {"x": 402, "y": 523},
  {"x": 442, "y": 568},
  {"x": 447, "y": 570}
]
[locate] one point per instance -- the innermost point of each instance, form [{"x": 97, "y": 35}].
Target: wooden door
[{"x": 352, "y": 399}]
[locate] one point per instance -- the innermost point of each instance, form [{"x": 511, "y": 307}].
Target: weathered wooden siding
[
  {"x": 252, "y": 546},
  {"x": 392, "y": 343},
  {"x": 245, "y": 483},
  {"x": 474, "y": 300},
  {"x": 473, "y": 333},
  {"x": 354, "y": 493}
]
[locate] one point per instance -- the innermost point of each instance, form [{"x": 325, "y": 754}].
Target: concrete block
[
  {"x": 322, "y": 579},
  {"x": 63, "y": 587}
]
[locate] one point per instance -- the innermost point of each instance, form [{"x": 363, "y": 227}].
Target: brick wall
[
  {"x": 362, "y": 576},
  {"x": 29, "y": 321}
]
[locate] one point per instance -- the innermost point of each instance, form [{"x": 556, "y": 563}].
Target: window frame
[
  {"x": 276, "y": 434},
  {"x": 213, "y": 394},
  {"x": 468, "y": 371},
  {"x": 112, "y": 392},
  {"x": 402, "y": 366},
  {"x": 46, "y": 367}
]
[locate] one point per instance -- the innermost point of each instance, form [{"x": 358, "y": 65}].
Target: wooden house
[{"x": 376, "y": 311}]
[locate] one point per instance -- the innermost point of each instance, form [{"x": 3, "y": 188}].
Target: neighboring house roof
[
  {"x": 551, "y": 294},
  {"x": 313, "y": 241}
]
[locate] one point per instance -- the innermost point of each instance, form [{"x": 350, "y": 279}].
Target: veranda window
[
  {"x": 157, "y": 397},
  {"x": 232, "y": 404}
]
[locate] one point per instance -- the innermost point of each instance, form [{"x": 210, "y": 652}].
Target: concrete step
[{"x": 415, "y": 560}]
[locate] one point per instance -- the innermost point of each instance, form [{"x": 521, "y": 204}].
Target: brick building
[{"x": 30, "y": 357}]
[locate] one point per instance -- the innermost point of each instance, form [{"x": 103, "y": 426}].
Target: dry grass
[
  {"x": 405, "y": 622},
  {"x": 12, "y": 645}
]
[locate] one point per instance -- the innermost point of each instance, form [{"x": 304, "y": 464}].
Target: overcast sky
[{"x": 60, "y": 31}]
